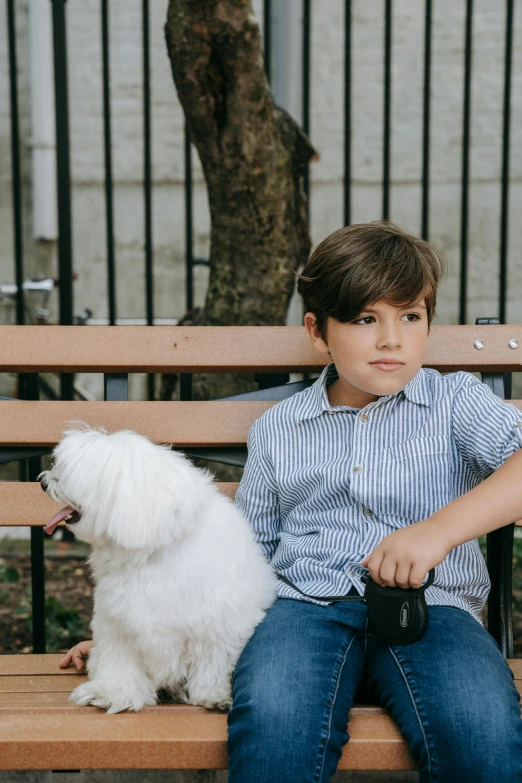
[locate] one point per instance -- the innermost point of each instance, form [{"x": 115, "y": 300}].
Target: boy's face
[{"x": 382, "y": 331}]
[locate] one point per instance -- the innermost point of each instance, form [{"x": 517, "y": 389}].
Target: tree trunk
[{"x": 253, "y": 156}]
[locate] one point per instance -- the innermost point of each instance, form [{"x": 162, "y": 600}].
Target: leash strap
[{"x": 346, "y": 597}]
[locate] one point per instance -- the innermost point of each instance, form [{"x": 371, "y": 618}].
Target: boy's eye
[{"x": 406, "y": 315}]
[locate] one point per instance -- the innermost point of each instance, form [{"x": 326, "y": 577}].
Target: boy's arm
[
  {"x": 257, "y": 497},
  {"x": 406, "y": 555},
  {"x": 496, "y": 502},
  {"x": 488, "y": 433}
]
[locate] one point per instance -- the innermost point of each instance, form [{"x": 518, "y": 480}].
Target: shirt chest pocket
[{"x": 415, "y": 478}]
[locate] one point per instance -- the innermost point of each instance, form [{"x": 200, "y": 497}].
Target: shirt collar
[{"x": 317, "y": 402}]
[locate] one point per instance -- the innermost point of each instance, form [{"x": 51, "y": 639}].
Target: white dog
[{"x": 180, "y": 582}]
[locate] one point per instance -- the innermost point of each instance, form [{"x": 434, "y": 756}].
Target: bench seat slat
[
  {"x": 41, "y": 683},
  {"x": 38, "y": 730},
  {"x": 47, "y": 665},
  {"x": 41, "y": 423},
  {"x": 48, "y": 702},
  {"x": 228, "y": 349},
  {"x": 165, "y": 740}
]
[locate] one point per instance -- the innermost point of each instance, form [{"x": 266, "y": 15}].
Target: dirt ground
[{"x": 67, "y": 579}]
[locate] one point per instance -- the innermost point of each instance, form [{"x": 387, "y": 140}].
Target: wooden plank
[
  {"x": 164, "y": 739},
  {"x": 42, "y": 423},
  {"x": 37, "y": 732},
  {"x": 48, "y": 702},
  {"x": 25, "y": 504},
  {"x": 516, "y": 667},
  {"x": 39, "y": 683},
  {"x": 47, "y": 665},
  {"x": 25, "y": 423},
  {"x": 228, "y": 349},
  {"x": 33, "y": 664}
]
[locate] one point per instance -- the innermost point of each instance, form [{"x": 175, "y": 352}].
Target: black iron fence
[
  {"x": 65, "y": 250},
  {"x": 29, "y": 468}
]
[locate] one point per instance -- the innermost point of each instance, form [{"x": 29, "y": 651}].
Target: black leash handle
[{"x": 431, "y": 577}]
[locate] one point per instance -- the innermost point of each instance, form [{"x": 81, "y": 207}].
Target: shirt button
[
  {"x": 368, "y": 512},
  {"x": 331, "y": 412},
  {"x": 518, "y": 424},
  {"x": 363, "y": 417},
  {"x": 358, "y": 469}
]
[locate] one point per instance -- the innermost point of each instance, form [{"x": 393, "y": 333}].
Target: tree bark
[{"x": 253, "y": 156}]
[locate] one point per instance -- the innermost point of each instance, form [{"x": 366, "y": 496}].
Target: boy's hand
[
  {"x": 77, "y": 655},
  {"x": 404, "y": 557}
]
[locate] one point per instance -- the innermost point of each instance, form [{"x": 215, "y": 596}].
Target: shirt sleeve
[
  {"x": 257, "y": 496},
  {"x": 487, "y": 429}
]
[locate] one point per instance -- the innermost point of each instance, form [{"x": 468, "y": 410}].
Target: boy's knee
[
  {"x": 265, "y": 709},
  {"x": 481, "y": 747}
]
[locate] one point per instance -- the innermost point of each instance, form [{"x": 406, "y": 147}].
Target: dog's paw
[
  {"x": 224, "y": 704},
  {"x": 109, "y": 697},
  {"x": 176, "y": 693},
  {"x": 220, "y": 699}
]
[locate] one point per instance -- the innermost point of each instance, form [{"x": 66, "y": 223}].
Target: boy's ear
[{"x": 310, "y": 322}]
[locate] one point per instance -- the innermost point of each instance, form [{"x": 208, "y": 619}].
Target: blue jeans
[{"x": 451, "y": 693}]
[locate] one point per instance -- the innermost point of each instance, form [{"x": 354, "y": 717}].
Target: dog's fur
[{"x": 180, "y": 582}]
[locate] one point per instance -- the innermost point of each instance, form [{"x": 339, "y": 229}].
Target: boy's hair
[{"x": 360, "y": 264}]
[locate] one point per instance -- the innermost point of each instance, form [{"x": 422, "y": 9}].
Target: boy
[{"x": 377, "y": 466}]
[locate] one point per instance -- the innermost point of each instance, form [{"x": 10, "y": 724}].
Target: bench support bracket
[{"x": 500, "y": 542}]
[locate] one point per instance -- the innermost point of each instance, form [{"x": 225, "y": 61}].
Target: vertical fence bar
[
  {"x": 65, "y": 258},
  {"x": 504, "y": 198},
  {"x": 30, "y": 468},
  {"x": 387, "y": 111},
  {"x": 147, "y": 179},
  {"x": 185, "y": 386},
  {"x": 465, "y": 165},
  {"x": 37, "y": 570},
  {"x": 307, "y": 10},
  {"x": 425, "y": 211},
  {"x": 185, "y": 379},
  {"x": 267, "y": 37},
  {"x": 189, "y": 255},
  {"x": 17, "y": 191},
  {"x": 15, "y": 162},
  {"x": 347, "y": 111},
  {"x": 111, "y": 272}
]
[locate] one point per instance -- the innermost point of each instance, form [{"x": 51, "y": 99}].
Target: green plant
[
  {"x": 64, "y": 626},
  {"x": 8, "y": 575}
]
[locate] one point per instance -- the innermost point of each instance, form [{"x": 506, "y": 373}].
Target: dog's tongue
[{"x": 55, "y": 521}]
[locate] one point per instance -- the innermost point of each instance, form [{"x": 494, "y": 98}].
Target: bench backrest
[{"x": 126, "y": 349}]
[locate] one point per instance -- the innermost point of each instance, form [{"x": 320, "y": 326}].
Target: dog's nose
[{"x": 43, "y": 484}]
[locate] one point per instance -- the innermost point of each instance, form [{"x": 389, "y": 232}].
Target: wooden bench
[{"x": 39, "y": 728}]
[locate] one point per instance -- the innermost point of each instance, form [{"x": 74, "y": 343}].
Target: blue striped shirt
[{"x": 323, "y": 484}]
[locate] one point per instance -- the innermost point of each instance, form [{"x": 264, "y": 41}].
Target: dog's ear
[{"x": 151, "y": 496}]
